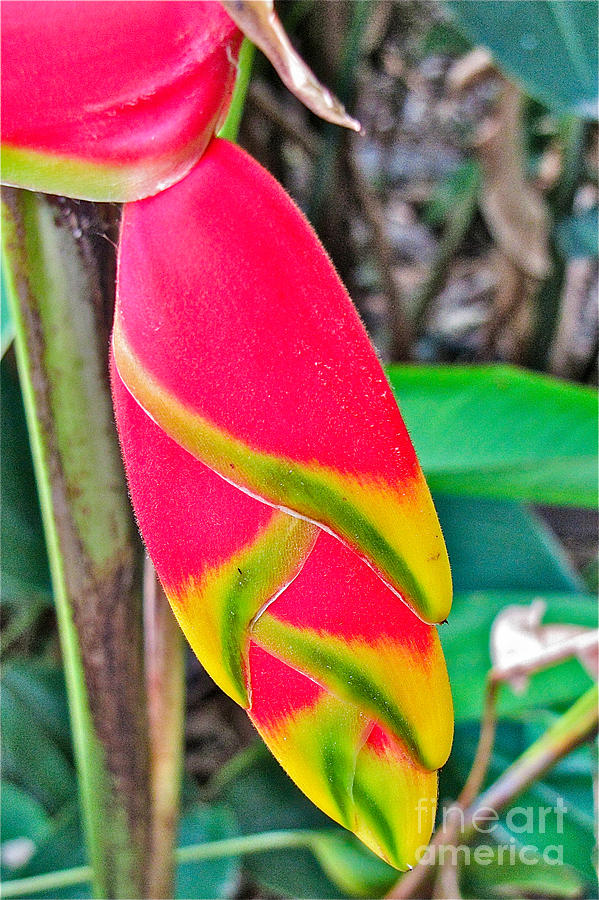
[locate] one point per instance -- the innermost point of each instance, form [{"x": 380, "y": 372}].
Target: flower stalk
[{"x": 60, "y": 334}]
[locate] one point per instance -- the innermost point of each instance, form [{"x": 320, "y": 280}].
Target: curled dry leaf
[
  {"x": 520, "y": 644},
  {"x": 262, "y": 26},
  {"x": 471, "y": 69},
  {"x": 513, "y": 209}
]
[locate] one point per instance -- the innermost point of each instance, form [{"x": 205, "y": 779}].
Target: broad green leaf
[
  {"x": 549, "y": 46},
  {"x": 498, "y": 545},
  {"x": 530, "y": 874},
  {"x": 22, "y": 815},
  {"x": 577, "y": 235},
  {"x": 497, "y": 431},
  {"x": 35, "y": 734},
  {"x": 207, "y": 878},
  {"x": 25, "y": 575},
  {"x": 62, "y": 848},
  {"x": 25, "y": 823},
  {"x": 465, "y": 641}
]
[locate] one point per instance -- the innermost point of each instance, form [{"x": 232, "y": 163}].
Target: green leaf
[
  {"x": 449, "y": 191},
  {"x": 22, "y": 815},
  {"x": 549, "y": 46},
  {"x": 465, "y": 641},
  {"x": 25, "y": 824},
  {"x": 25, "y": 574},
  {"x": 207, "y": 878},
  {"x": 351, "y": 866},
  {"x": 35, "y": 734},
  {"x": 497, "y": 545},
  {"x": 445, "y": 38},
  {"x": 62, "y": 848},
  {"x": 497, "y": 431},
  {"x": 577, "y": 235},
  {"x": 501, "y": 875}
]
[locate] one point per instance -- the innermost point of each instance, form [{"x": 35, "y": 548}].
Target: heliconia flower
[
  {"x": 234, "y": 332},
  {"x": 111, "y": 101},
  {"x": 279, "y": 495},
  {"x": 345, "y": 684}
]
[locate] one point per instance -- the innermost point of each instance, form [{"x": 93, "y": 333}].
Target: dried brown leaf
[
  {"x": 514, "y": 211},
  {"x": 260, "y": 23}
]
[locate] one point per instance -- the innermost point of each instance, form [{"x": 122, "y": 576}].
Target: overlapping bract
[
  {"x": 279, "y": 495},
  {"x": 111, "y": 101}
]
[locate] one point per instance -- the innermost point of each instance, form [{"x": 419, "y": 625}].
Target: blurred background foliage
[{"x": 464, "y": 223}]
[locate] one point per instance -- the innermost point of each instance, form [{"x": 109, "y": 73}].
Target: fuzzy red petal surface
[
  {"x": 268, "y": 344},
  {"x": 190, "y": 519},
  {"x": 111, "y": 100}
]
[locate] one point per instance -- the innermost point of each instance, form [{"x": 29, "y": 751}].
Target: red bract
[
  {"x": 346, "y": 686},
  {"x": 280, "y": 497},
  {"x": 111, "y": 101},
  {"x": 233, "y": 330}
]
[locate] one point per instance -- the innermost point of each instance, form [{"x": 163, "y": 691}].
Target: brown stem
[{"x": 165, "y": 684}]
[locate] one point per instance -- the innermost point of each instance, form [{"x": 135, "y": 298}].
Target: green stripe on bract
[
  {"x": 395, "y": 802},
  {"x": 88, "y": 179},
  {"x": 215, "y": 609},
  {"x": 318, "y": 746},
  {"x": 334, "y": 763},
  {"x": 280, "y": 481},
  {"x": 255, "y": 577},
  {"x": 376, "y": 818},
  {"x": 337, "y": 669}
]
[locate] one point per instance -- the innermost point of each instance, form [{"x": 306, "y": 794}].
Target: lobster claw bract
[
  {"x": 233, "y": 330},
  {"x": 111, "y": 101},
  {"x": 346, "y": 686},
  {"x": 280, "y": 497}
]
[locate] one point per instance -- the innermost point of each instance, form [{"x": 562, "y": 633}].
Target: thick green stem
[{"x": 61, "y": 342}]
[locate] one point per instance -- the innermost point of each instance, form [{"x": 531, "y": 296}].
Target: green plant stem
[
  {"x": 571, "y": 729},
  {"x": 61, "y": 345},
  {"x": 237, "y": 846},
  {"x": 230, "y": 128}
]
